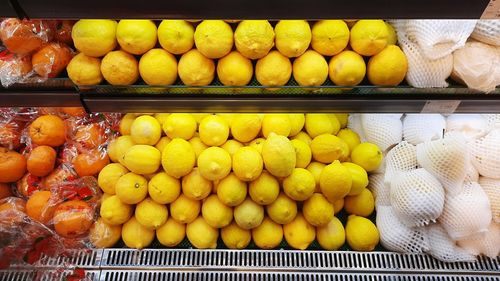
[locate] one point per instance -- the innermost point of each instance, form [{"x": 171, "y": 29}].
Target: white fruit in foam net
[
  {"x": 467, "y": 213},
  {"x": 487, "y": 243},
  {"x": 398, "y": 237},
  {"x": 485, "y": 154},
  {"x": 446, "y": 159},
  {"x": 354, "y": 123},
  {"x": 419, "y": 128},
  {"x": 417, "y": 197},
  {"x": 487, "y": 31},
  {"x": 443, "y": 248},
  {"x": 383, "y": 130},
  {"x": 472, "y": 126},
  {"x": 471, "y": 174},
  {"x": 380, "y": 190},
  {"x": 401, "y": 158},
  {"x": 493, "y": 120},
  {"x": 492, "y": 189}
]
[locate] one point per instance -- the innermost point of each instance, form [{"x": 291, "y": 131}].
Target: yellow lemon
[
  {"x": 362, "y": 204},
  {"x": 195, "y": 186},
  {"x": 246, "y": 127},
  {"x": 335, "y": 181},
  {"x": 292, "y": 37},
  {"x": 273, "y": 70},
  {"x": 94, "y": 38},
  {"x": 145, "y": 130},
  {"x": 268, "y": 235},
  {"x": 303, "y": 136},
  {"x": 278, "y": 155},
  {"x": 315, "y": 168},
  {"x": 254, "y": 38},
  {"x": 367, "y": 155},
  {"x": 213, "y": 38},
  {"x": 161, "y": 117},
  {"x": 84, "y": 70},
  {"x": 163, "y": 188},
  {"x": 176, "y": 36},
  {"x": 126, "y": 123},
  {"x": 131, "y": 188},
  {"x": 151, "y": 214},
  {"x": 142, "y": 159},
  {"x": 297, "y": 121},
  {"x": 310, "y": 69},
  {"x": 303, "y": 153},
  {"x": 388, "y": 68},
  {"x": 214, "y": 163},
  {"x": 361, "y": 233},
  {"x": 283, "y": 210},
  {"x": 200, "y": 116},
  {"x": 162, "y": 143},
  {"x": 215, "y": 213},
  {"x": 195, "y": 69},
  {"x": 136, "y": 36},
  {"x": 171, "y": 233},
  {"x": 231, "y": 190},
  {"x": 317, "y": 210},
  {"x": 158, "y": 67},
  {"x": 213, "y": 130},
  {"x": 234, "y": 69},
  {"x": 327, "y": 148},
  {"x": 392, "y": 39},
  {"x": 235, "y": 237},
  {"x": 279, "y": 124},
  {"x": 109, "y": 175},
  {"x": 343, "y": 118},
  {"x": 248, "y": 214},
  {"x": 103, "y": 235},
  {"x": 347, "y": 69},
  {"x": 264, "y": 190},
  {"x": 338, "y": 205},
  {"x": 258, "y": 143},
  {"x": 359, "y": 178},
  {"x": 300, "y": 185},
  {"x": 201, "y": 234},
  {"x": 180, "y": 125},
  {"x": 229, "y": 117},
  {"x": 331, "y": 236},
  {"x": 318, "y": 124},
  {"x": 350, "y": 137},
  {"x": 232, "y": 146},
  {"x": 114, "y": 211},
  {"x": 335, "y": 123},
  {"x": 330, "y": 37},
  {"x": 369, "y": 37},
  {"x": 185, "y": 209},
  {"x": 299, "y": 234},
  {"x": 247, "y": 163},
  {"x": 120, "y": 68},
  {"x": 178, "y": 158},
  {"x": 135, "y": 235},
  {"x": 198, "y": 146}
]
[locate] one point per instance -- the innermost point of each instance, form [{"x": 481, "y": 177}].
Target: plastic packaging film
[{"x": 419, "y": 128}]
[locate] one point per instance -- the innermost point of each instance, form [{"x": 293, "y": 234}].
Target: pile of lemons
[
  {"x": 265, "y": 177},
  {"x": 197, "y": 52}
]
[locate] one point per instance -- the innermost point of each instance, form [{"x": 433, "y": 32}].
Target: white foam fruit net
[
  {"x": 487, "y": 243},
  {"x": 471, "y": 175},
  {"x": 475, "y": 65},
  {"x": 401, "y": 158},
  {"x": 384, "y": 130},
  {"x": 467, "y": 213},
  {"x": 417, "y": 197},
  {"x": 439, "y": 38},
  {"x": 443, "y": 248},
  {"x": 492, "y": 189},
  {"x": 419, "y": 128},
  {"x": 446, "y": 159},
  {"x": 485, "y": 154},
  {"x": 396, "y": 236},
  {"x": 487, "y": 31},
  {"x": 422, "y": 71},
  {"x": 354, "y": 123},
  {"x": 472, "y": 126},
  {"x": 493, "y": 120},
  {"x": 381, "y": 191}
]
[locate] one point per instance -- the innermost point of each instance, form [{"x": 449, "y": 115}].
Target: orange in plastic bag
[
  {"x": 89, "y": 137},
  {"x": 25, "y": 36},
  {"x": 12, "y": 165},
  {"x": 5, "y": 190},
  {"x": 41, "y": 160},
  {"x": 90, "y": 163},
  {"x": 51, "y": 59},
  {"x": 48, "y": 130},
  {"x": 29, "y": 184},
  {"x": 73, "y": 218},
  {"x": 10, "y": 135}
]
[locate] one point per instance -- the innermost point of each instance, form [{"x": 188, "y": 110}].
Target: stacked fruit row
[
  {"x": 265, "y": 177},
  {"x": 301, "y": 49}
]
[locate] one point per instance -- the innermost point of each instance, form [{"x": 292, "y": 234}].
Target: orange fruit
[
  {"x": 41, "y": 161},
  {"x": 88, "y": 137},
  {"x": 5, "y": 191},
  {"x": 74, "y": 111},
  {"x": 29, "y": 184},
  {"x": 38, "y": 206},
  {"x": 12, "y": 211},
  {"x": 73, "y": 218},
  {"x": 90, "y": 162},
  {"x": 12, "y": 166},
  {"x": 60, "y": 174},
  {"x": 103, "y": 235},
  {"x": 48, "y": 130},
  {"x": 10, "y": 135}
]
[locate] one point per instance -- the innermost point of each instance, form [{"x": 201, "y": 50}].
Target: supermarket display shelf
[
  {"x": 51, "y": 93},
  {"x": 243, "y": 9}
]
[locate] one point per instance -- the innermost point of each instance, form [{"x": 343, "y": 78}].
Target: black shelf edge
[
  {"x": 26, "y": 98},
  {"x": 6, "y": 9},
  {"x": 256, "y": 9}
]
